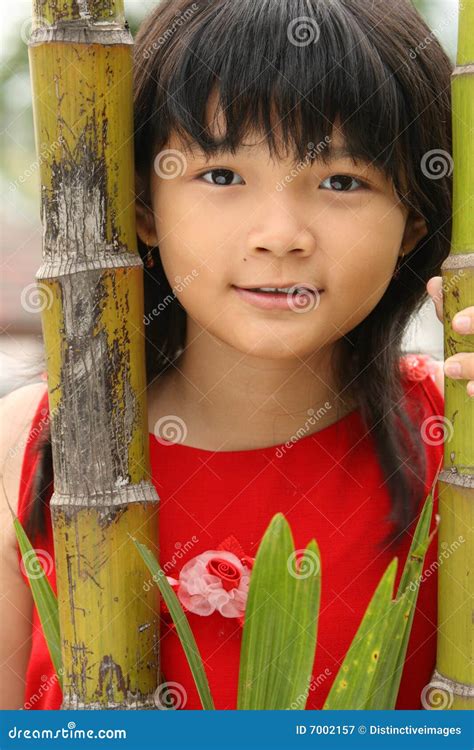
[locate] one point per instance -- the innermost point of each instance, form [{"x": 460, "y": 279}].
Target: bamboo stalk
[
  {"x": 92, "y": 317},
  {"x": 453, "y": 681}
]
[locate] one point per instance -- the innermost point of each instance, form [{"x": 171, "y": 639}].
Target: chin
[{"x": 272, "y": 348}]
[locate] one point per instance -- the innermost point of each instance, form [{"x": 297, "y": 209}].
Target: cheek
[
  {"x": 361, "y": 261},
  {"x": 189, "y": 236}
]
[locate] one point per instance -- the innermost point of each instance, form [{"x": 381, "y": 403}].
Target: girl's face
[{"x": 246, "y": 220}]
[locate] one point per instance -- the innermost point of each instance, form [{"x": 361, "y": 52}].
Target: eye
[
  {"x": 342, "y": 183},
  {"x": 222, "y": 177}
]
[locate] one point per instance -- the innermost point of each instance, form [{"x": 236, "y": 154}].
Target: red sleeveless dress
[{"x": 329, "y": 486}]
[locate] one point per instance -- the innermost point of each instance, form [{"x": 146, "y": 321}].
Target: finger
[
  {"x": 470, "y": 388},
  {"x": 460, "y": 366},
  {"x": 434, "y": 288},
  {"x": 463, "y": 321}
]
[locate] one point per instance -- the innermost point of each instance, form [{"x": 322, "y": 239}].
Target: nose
[{"x": 279, "y": 230}]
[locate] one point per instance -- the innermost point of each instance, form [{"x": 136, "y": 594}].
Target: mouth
[{"x": 295, "y": 297}]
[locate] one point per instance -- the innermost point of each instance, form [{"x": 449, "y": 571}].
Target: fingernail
[
  {"x": 462, "y": 323},
  {"x": 453, "y": 370}
]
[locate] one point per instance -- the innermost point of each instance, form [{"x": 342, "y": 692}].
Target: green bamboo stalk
[
  {"x": 452, "y": 684},
  {"x": 91, "y": 280}
]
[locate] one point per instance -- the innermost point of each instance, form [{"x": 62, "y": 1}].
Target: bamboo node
[{"x": 465, "y": 690}]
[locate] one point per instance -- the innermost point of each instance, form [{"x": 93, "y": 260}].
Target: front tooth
[{"x": 274, "y": 289}]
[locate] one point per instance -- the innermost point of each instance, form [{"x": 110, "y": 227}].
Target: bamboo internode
[
  {"x": 91, "y": 281},
  {"x": 454, "y": 674}
]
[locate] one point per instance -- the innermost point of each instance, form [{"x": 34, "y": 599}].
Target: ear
[
  {"x": 145, "y": 220},
  {"x": 415, "y": 229},
  {"x": 145, "y": 223}
]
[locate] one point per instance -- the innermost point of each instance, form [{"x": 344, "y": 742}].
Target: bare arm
[{"x": 16, "y": 414}]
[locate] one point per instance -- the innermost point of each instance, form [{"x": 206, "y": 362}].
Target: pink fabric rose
[
  {"x": 417, "y": 366},
  {"x": 214, "y": 580}
]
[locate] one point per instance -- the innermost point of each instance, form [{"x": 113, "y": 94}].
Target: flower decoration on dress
[
  {"x": 418, "y": 366},
  {"x": 214, "y": 581}
]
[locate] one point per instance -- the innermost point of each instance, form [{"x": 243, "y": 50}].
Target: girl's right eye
[{"x": 223, "y": 177}]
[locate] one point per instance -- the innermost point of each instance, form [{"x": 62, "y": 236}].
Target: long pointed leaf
[
  {"x": 389, "y": 673},
  {"x": 351, "y": 687},
  {"x": 44, "y": 598},
  {"x": 279, "y": 636},
  {"x": 183, "y": 628}
]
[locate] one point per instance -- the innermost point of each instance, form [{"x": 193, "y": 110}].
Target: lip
[
  {"x": 281, "y": 285},
  {"x": 280, "y": 300}
]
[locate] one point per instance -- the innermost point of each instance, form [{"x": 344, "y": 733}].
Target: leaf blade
[{"x": 183, "y": 628}]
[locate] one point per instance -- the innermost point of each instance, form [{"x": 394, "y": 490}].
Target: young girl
[{"x": 279, "y": 145}]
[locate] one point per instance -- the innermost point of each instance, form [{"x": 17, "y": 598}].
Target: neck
[{"x": 242, "y": 401}]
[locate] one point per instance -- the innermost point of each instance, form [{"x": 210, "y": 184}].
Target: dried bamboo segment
[{"x": 92, "y": 284}]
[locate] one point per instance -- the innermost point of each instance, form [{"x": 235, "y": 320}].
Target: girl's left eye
[
  {"x": 342, "y": 183},
  {"x": 222, "y": 176}
]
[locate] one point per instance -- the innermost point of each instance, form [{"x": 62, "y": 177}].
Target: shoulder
[{"x": 17, "y": 412}]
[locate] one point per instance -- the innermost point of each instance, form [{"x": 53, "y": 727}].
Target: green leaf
[
  {"x": 279, "y": 635},
  {"x": 387, "y": 683},
  {"x": 351, "y": 688},
  {"x": 180, "y": 620},
  {"x": 44, "y": 598}
]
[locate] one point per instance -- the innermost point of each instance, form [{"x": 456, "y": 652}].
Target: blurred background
[{"x": 20, "y": 232}]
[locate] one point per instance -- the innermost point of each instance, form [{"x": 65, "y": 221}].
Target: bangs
[{"x": 290, "y": 69}]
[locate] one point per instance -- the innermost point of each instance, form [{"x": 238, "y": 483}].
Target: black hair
[{"x": 303, "y": 64}]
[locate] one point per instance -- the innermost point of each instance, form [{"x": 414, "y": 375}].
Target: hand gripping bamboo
[{"x": 91, "y": 284}]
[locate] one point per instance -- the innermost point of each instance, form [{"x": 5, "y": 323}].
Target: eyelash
[{"x": 364, "y": 185}]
